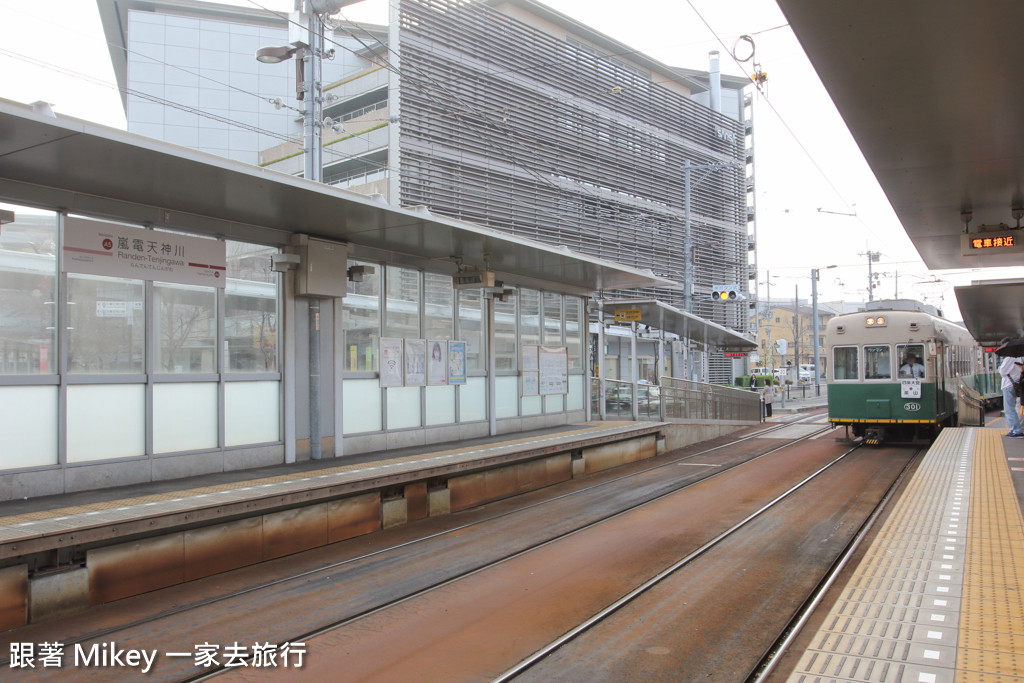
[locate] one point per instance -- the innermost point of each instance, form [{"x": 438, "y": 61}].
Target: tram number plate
[{"x": 910, "y": 388}]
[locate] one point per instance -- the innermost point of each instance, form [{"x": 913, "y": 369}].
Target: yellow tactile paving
[
  {"x": 991, "y": 642},
  {"x": 939, "y": 595},
  {"x": 71, "y": 511}
]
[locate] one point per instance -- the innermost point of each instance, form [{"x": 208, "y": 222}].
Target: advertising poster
[
  {"x": 415, "y": 362},
  {"x": 437, "y": 366},
  {"x": 456, "y": 362},
  {"x": 554, "y": 371},
  {"x": 391, "y": 365}
]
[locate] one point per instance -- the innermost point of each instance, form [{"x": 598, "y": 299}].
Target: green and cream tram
[{"x": 895, "y": 370}]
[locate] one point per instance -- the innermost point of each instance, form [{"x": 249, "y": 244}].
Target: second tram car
[{"x": 895, "y": 368}]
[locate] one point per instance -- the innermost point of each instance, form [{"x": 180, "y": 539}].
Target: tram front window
[
  {"x": 877, "y": 363},
  {"x": 844, "y": 363},
  {"x": 911, "y": 359}
]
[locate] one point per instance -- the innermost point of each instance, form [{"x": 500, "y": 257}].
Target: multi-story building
[
  {"x": 503, "y": 113},
  {"x": 793, "y": 326}
]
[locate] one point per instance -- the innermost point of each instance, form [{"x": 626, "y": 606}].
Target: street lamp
[
  {"x": 305, "y": 29},
  {"x": 814, "y": 314}
]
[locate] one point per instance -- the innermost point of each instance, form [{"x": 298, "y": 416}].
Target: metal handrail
[{"x": 677, "y": 399}]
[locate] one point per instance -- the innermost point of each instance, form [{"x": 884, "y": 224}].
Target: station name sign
[
  {"x": 114, "y": 250},
  {"x": 995, "y": 241}
]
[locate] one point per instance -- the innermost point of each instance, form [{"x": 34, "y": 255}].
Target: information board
[{"x": 554, "y": 371}]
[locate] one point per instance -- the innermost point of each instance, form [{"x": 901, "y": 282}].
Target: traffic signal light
[{"x": 726, "y": 293}]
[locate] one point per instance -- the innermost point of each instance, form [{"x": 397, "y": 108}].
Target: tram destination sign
[{"x": 114, "y": 250}]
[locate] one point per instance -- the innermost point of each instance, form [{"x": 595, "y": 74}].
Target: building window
[
  {"x": 573, "y": 332},
  {"x": 28, "y": 294},
  {"x": 438, "y": 306},
  {"x": 250, "y": 309},
  {"x": 471, "y": 327},
  {"x": 403, "y": 313},
  {"x": 186, "y": 328},
  {"x": 505, "y": 335},
  {"x": 106, "y": 325},
  {"x": 361, "y": 322},
  {"x": 529, "y": 317}
]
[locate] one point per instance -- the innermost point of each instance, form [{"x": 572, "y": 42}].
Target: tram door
[{"x": 942, "y": 406}]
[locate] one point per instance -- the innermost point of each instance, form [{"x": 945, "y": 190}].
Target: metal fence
[{"x": 676, "y": 400}]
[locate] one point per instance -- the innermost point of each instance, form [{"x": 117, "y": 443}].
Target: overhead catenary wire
[{"x": 783, "y": 121}]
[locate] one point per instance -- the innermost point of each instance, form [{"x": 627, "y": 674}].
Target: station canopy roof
[
  {"x": 660, "y": 316},
  {"x": 928, "y": 91},
  {"x": 992, "y": 310},
  {"x": 84, "y": 168}
]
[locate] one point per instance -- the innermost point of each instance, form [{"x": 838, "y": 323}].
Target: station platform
[
  {"x": 939, "y": 594},
  {"x": 62, "y": 554}
]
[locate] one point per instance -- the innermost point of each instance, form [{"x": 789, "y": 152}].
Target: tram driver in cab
[{"x": 912, "y": 367}]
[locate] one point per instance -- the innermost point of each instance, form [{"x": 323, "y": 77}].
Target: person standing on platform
[
  {"x": 1010, "y": 371},
  {"x": 769, "y": 395}
]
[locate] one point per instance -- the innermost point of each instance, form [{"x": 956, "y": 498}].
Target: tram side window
[
  {"x": 911, "y": 359},
  {"x": 877, "y": 362},
  {"x": 844, "y": 363}
]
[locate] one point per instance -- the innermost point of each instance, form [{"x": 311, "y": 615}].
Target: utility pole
[
  {"x": 309, "y": 53},
  {"x": 796, "y": 330},
  {"x": 873, "y": 257}
]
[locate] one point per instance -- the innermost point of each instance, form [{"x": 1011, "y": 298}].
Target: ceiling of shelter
[
  {"x": 928, "y": 89},
  {"x": 660, "y": 316},
  {"x": 85, "y": 168}
]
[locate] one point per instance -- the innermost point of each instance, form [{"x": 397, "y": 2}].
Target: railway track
[{"x": 136, "y": 629}]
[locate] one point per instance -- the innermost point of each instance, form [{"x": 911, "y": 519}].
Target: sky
[{"x": 818, "y": 204}]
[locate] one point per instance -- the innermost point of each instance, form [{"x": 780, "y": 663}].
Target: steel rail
[
  {"x": 214, "y": 671},
  {"x": 100, "y": 633},
  {"x": 590, "y": 623},
  {"x": 769, "y": 660}
]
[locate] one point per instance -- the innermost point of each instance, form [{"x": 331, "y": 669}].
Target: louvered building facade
[
  {"x": 518, "y": 118},
  {"x": 504, "y": 113}
]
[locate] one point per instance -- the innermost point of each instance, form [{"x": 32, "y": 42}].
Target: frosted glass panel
[
  {"x": 403, "y": 407},
  {"x": 184, "y": 417},
  {"x": 252, "y": 412},
  {"x": 532, "y": 405},
  {"x": 441, "y": 405},
  {"x": 506, "y": 392},
  {"x": 575, "y": 398},
  {"x": 554, "y": 403},
  {"x": 362, "y": 406},
  {"x": 28, "y": 422},
  {"x": 106, "y": 421},
  {"x": 473, "y": 400}
]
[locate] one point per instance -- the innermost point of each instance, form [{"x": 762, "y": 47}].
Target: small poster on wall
[
  {"x": 456, "y": 362},
  {"x": 531, "y": 383},
  {"x": 437, "y": 365},
  {"x": 415, "y": 362},
  {"x": 391, "y": 364},
  {"x": 554, "y": 371}
]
